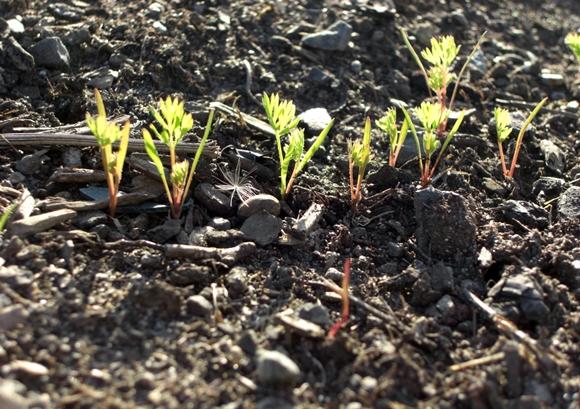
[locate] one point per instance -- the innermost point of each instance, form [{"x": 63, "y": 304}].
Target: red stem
[{"x": 345, "y": 304}]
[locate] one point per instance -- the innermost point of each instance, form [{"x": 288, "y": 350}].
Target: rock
[
  {"x": 425, "y": 32},
  {"x": 552, "y": 80},
  {"x": 16, "y": 178},
  {"x": 12, "y": 316},
  {"x": 31, "y": 163},
  {"x": 273, "y": 402},
  {"x": 569, "y": 203},
  {"x": 26, "y": 367},
  {"x": 199, "y": 306},
  {"x": 458, "y": 17},
  {"x": 188, "y": 274},
  {"x": 257, "y": 203},
  {"x": 9, "y": 397},
  {"x": 551, "y": 187},
  {"x": 334, "y": 38},
  {"x": 214, "y": 200},
  {"x": 301, "y": 327},
  {"x": 248, "y": 342},
  {"x": 50, "y": 53},
  {"x": 477, "y": 67},
  {"x": 526, "y": 213},
  {"x": 276, "y": 370},
  {"x": 389, "y": 177},
  {"x": 315, "y": 120},
  {"x": 445, "y": 306},
  {"x": 219, "y": 223},
  {"x": 198, "y": 236},
  {"x": 394, "y": 250},
  {"x": 318, "y": 314},
  {"x": 422, "y": 291},
  {"x": 445, "y": 223},
  {"x": 320, "y": 76},
  {"x": 236, "y": 281},
  {"x": 15, "y": 26},
  {"x": 553, "y": 156},
  {"x": 71, "y": 157},
  {"x": 63, "y": 11},
  {"x": 21, "y": 59},
  {"x": 161, "y": 234},
  {"x": 262, "y": 228},
  {"x": 442, "y": 278},
  {"x": 88, "y": 220},
  {"x": 492, "y": 186},
  {"x": 356, "y": 66}
]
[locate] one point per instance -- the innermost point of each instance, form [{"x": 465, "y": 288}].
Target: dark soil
[{"x": 102, "y": 315}]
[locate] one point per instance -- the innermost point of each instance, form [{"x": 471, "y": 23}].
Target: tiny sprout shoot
[
  {"x": 431, "y": 115},
  {"x": 573, "y": 41},
  {"x": 175, "y": 123},
  {"x": 106, "y": 134},
  {"x": 7, "y": 213},
  {"x": 359, "y": 155},
  {"x": 441, "y": 56},
  {"x": 502, "y": 123},
  {"x": 281, "y": 117},
  {"x": 388, "y": 123},
  {"x": 345, "y": 304}
]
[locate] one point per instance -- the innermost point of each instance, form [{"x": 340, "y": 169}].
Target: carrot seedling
[
  {"x": 281, "y": 117},
  {"x": 388, "y": 123},
  {"x": 359, "y": 155},
  {"x": 441, "y": 56},
  {"x": 106, "y": 134},
  {"x": 573, "y": 41},
  {"x": 431, "y": 115},
  {"x": 175, "y": 123},
  {"x": 502, "y": 123},
  {"x": 345, "y": 303}
]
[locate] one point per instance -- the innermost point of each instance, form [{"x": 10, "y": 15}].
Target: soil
[{"x": 96, "y": 314}]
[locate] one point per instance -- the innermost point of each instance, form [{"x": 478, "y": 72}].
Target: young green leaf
[
  {"x": 442, "y": 52},
  {"x": 154, "y": 155},
  {"x": 502, "y": 123},
  {"x": 431, "y": 115},
  {"x": 573, "y": 41}
]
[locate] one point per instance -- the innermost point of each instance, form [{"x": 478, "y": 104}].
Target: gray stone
[
  {"x": 552, "y": 80},
  {"x": 442, "y": 278},
  {"x": 394, "y": 250},
  {"x": 50, "y": 53},
  {"x": 445, "y": 306},
  {"x": 214, "y": 200},
  {"x": 63, "y": 11},
  {"x": 188, "y": 274},
  {"x": 12, "y": 316},
  {"x": 262, "y": 228},
  {"x": 554, "y": 157},
  {"x": 219, "y": 223},
  {"x": 318, "y": 314},
  {"x": 526, "y": 213},
  {"x": 248, "y": 342},
  {"x": 16, "y": 178},
  {"x": 276, "y": 370},
  {"x": 551, "y": 187},
  {"x": 458, "y": 17},
  {"x": 356, "y": 66},
  {"x": 88, "y": 220},
  {"x": 199, "y": 306},
  {"x": 492, "y": 186},
  {"x": 236, "y": 281},
  {"x": 21, "y": 59},
  {"x": 445, "y": 223},
  {"x": 320, "y": 76},
  {"x": 315, "y": 120},
  {"x": 425, "y": 32},
  {"x": 258, "y": 203},
  {"x": 71, "y": 158},
  {"x": 161, "y": 234},
  {"x": 569, "y": 203},
  {"x": 334, "y": 38}
]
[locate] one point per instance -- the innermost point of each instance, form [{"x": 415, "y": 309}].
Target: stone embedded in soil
[
  {"x": 492, "y": 186},
  {"x": 276, "y": 370},
  {"x": 301, "y": 327},
  {"x": 389, "y": 177},
  {"x": 21, "y": 59},
  {"x": 50, "y": 52},
  {"x": 527, "y": 213},
  {"x": 187, "y": 274},
  {"x": 445, "y": 223},
  {"x": 334, "y": 38},
  {"x": 88, "y": 220},
  {"x": 212, "y": 199},
  {"x": 12, "y": 316},
  {"x": 199, "y": 306},
  {"x": 551, "y": 187},
  {"x": 258, "y": 203},
  {"x": 442, "y": 278},
  {"x": 554, "y": 157},
  {"x": 161, "y": 234},
  {"x": 318, "y": 314},
  {"x": 248, "y": 341},
  {"x": 262, "y": 228},
  {"x": 315, "y": 120},
  {"x": 236, "y": 281},
  {"x": 31, "y": 163},
  {"x": 569, "y": 203}
]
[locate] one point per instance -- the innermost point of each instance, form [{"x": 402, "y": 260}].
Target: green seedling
[
  {"x": 502, "y": 123},
  {"x": 359, "y": 155},
  {"x": 106, "y": 134},
  {"x": 573, "y": 41},
  {"x": 281, "y": 117},
  {"x": 345, "y": 303},
  {"x": 431, "y": 115},
  {"x": 175, "y": 123},
  {"x": 388, "y": 123},
  {"x": 7, "y": 213},
  {"x": 441, "y": 56}
]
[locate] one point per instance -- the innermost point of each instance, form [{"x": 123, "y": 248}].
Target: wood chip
[
  {"x": 66, "y": 175},
  {"x": 42, "y": 222}
]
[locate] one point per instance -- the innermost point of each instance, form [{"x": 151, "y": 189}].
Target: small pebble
[
  {"x": 276, "y": 370},
  {"x": 199, "y": 306}
]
